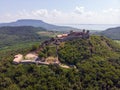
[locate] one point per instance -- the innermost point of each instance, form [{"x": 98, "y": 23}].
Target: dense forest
[{"x": 97, "y": 62}]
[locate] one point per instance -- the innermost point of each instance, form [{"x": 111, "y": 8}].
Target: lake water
[{"x": 93, "y": 26}]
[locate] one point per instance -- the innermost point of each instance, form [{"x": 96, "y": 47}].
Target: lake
[{"x": 100, "y": 27}]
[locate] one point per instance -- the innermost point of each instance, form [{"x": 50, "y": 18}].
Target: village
[{"x": 33, "y": 57}]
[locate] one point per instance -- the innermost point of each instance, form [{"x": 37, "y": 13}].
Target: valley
[
  {"x": 60, "y": 45},
  {"x": 84, "y": 61}
]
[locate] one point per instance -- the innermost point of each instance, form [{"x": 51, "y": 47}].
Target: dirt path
[{"x": 64, "y": 66}]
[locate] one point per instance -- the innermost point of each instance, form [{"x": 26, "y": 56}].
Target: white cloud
[
  {"x": 111, "y": 10},
  {"x": 79, "y": 15},
  {"x": 56, "y": 13},
  {"x": 23, "y": 13},
  {"x": 113, "y": 13},
  {"x": 79, "y": 10},
  {"x": 41, "y": 12}
]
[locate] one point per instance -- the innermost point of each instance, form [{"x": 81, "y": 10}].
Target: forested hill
[
  {"x": 97, "y": 62},
  {"x": 13, "y": 35},
  {"x": 113, "y": 33},
  {"x": 78, "y": 50}
]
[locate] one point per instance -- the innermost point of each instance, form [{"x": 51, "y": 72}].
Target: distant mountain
[
  {"x": 113, "y": 33},
  {"x": 37, "y": 23}
]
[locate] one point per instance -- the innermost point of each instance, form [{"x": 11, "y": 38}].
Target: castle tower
[
  {"x": 71, "y": 31},
  {"x": 87, "y": 34},
  {"x": 83, "y": 34},
  {"x": 83, "y": 30}
]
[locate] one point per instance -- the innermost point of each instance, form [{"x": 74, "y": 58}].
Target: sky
[{"x": 62, "y": 11}]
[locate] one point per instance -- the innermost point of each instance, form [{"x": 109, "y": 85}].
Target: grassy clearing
[
  {"x": 118, "y": 41},
  {"x": 48, "y": 33}
]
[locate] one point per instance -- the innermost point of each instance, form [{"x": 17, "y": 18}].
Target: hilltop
[
  {"x": 76, "y": 50},
  {"x": 113, "y": 33},
  {"x": 97, "y": 61},
  {"x": 37, "y": 23}
]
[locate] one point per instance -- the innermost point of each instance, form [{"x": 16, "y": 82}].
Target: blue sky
[{"x": 62, "y": 11}]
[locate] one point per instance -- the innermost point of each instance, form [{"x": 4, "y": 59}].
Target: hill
[
  {"x": 23, "y": 34},
  {"x": 37, "y": 23},
  {"x": 97, "y": 62},
  {"x": 113, "y": 33},
  {"x": 77, "y": 50}
]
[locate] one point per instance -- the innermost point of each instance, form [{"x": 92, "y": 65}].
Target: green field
[
  {"x": 48, "y": 33},
  {"x": 118, "y": 41}
]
